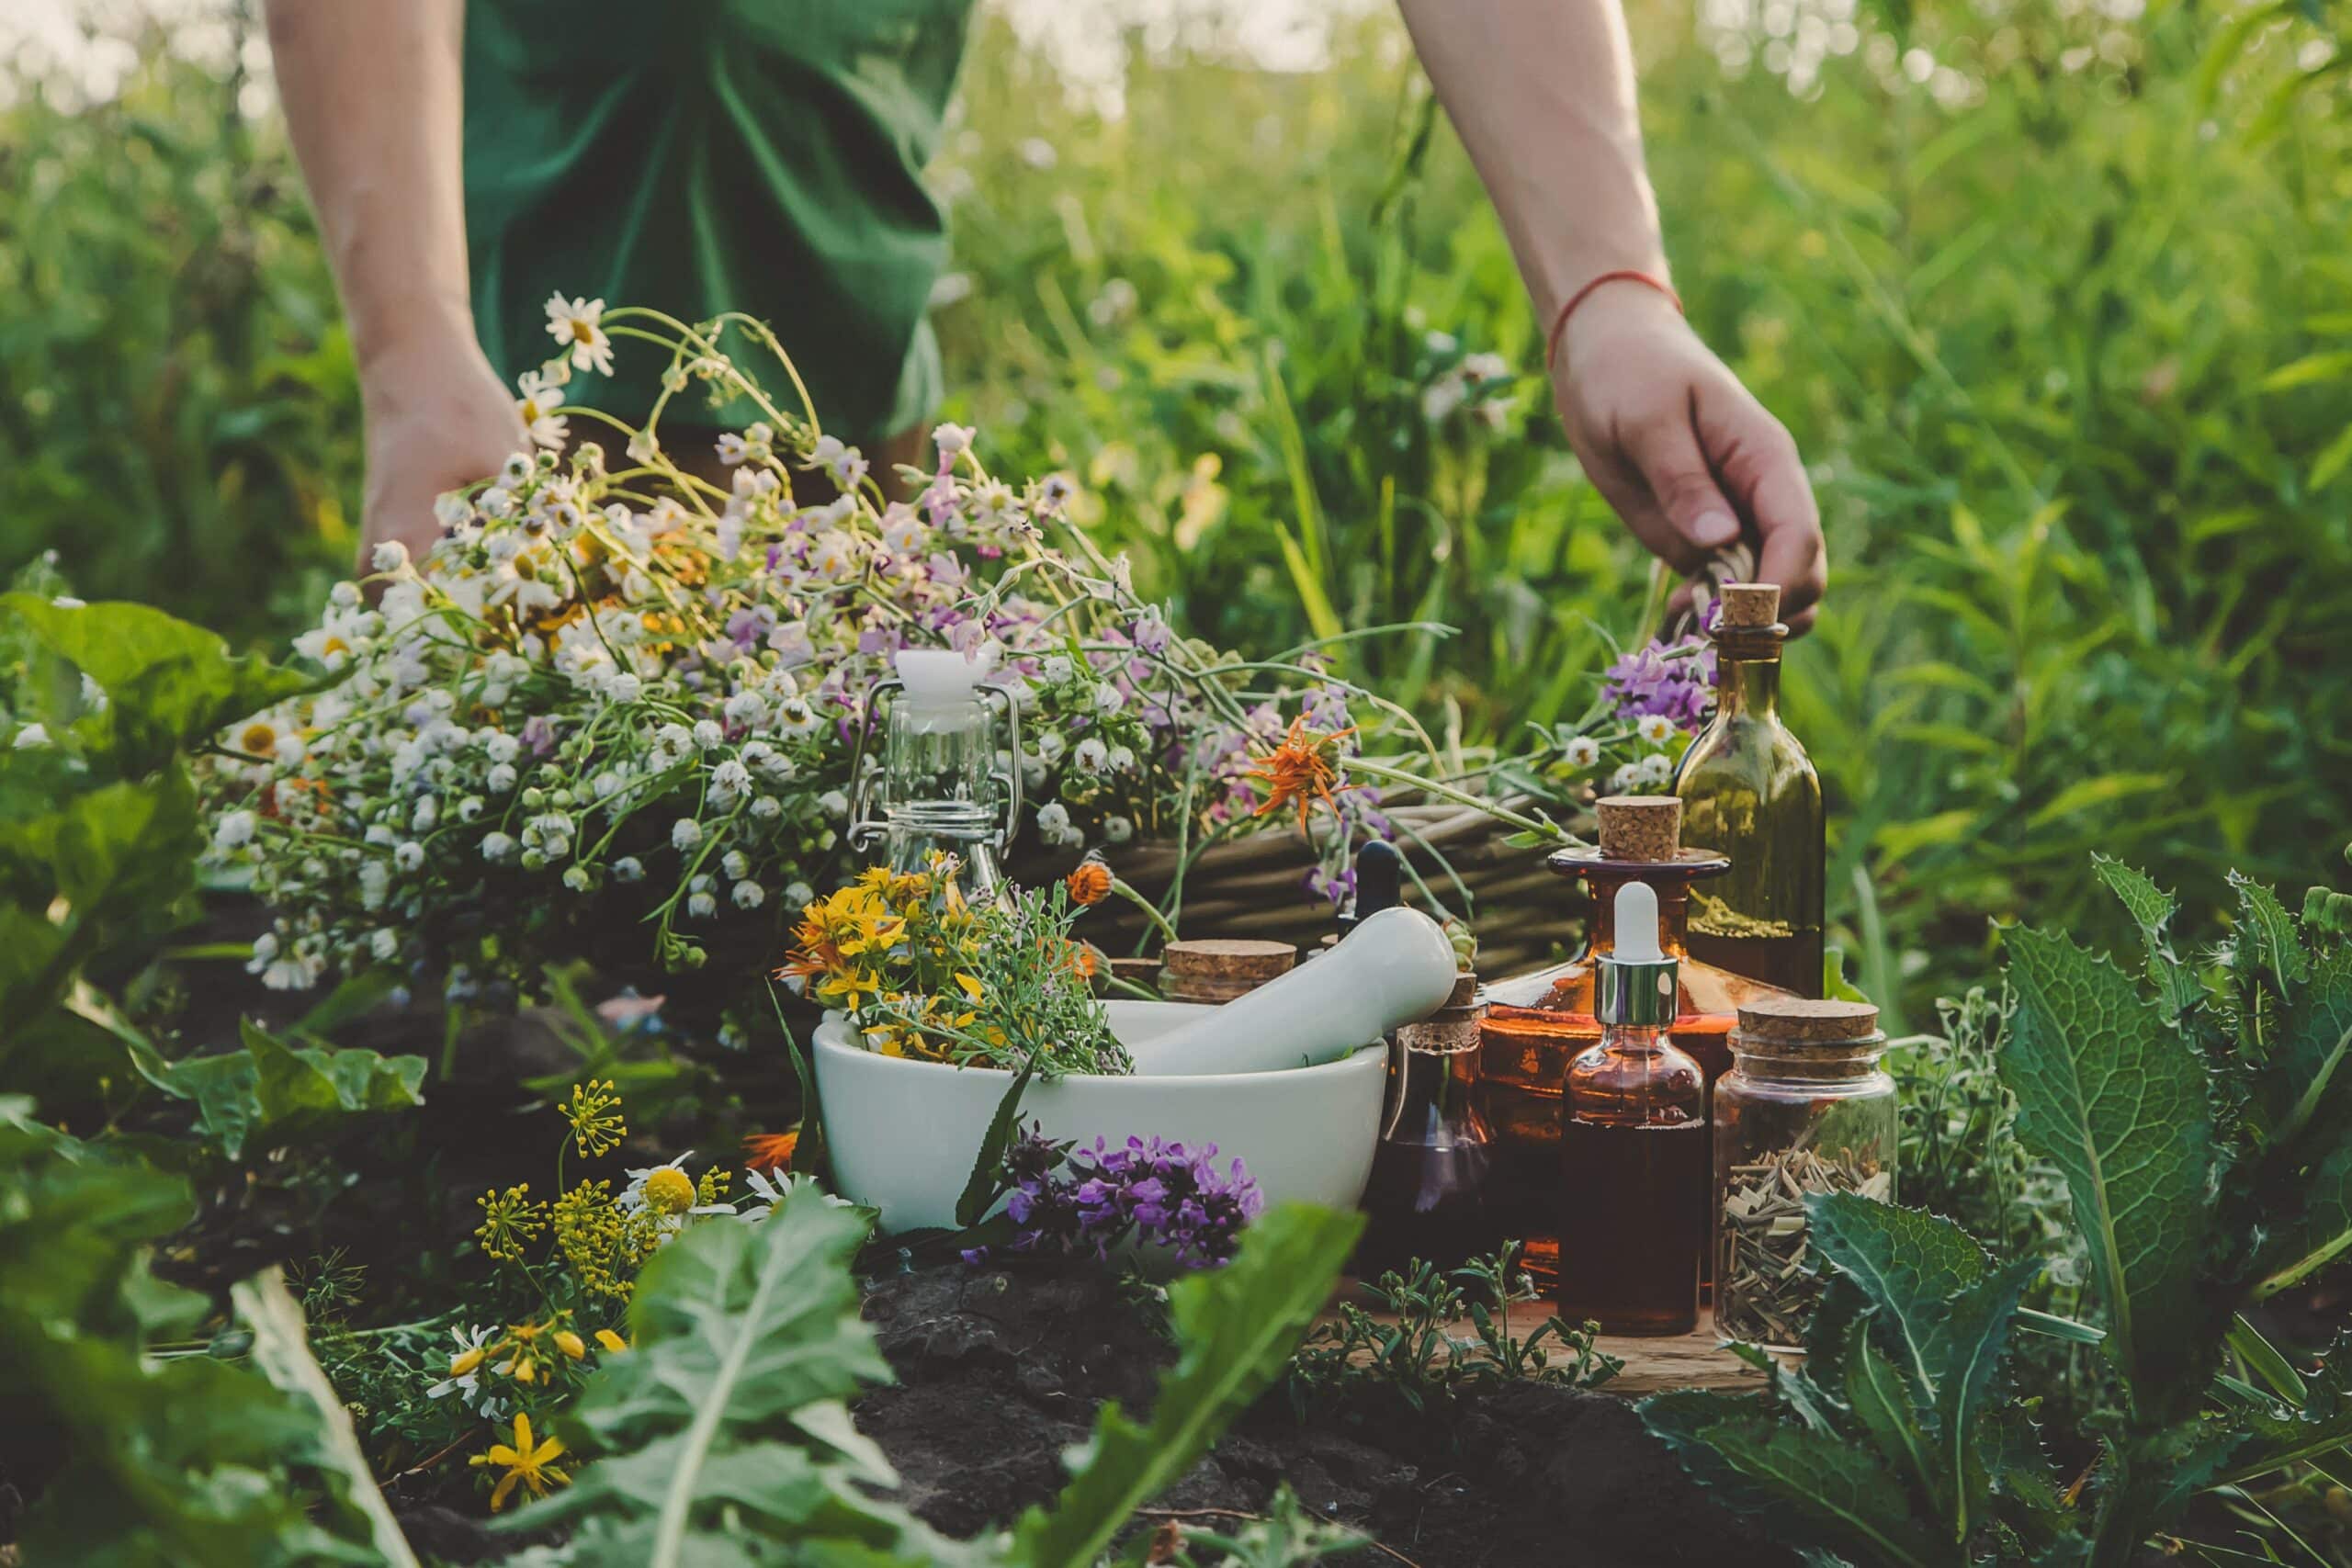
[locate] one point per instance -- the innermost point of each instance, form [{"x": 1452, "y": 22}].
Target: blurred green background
[{"x": 2056, "y": 297}]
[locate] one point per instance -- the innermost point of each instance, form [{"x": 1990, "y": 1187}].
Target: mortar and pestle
[{"x": 1287, "y": 1078}]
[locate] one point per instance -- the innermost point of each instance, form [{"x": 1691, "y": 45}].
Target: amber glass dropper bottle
[
  {"x": 1538, "y": 1022},
  {"x": 1633, "y": 1148},
  {"x": 1750, "y": 792}
]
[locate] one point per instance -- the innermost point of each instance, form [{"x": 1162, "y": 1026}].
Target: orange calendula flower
[
  {"x": 1090, "y": 883},
  {"x": 770, "y": 1151},
  {"x": 1304, "y": 768}
]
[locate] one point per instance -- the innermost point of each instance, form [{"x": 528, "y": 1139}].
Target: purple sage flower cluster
[
  {"x": 1677, "y": 679},
  {"x": 1081, "y": 1201}
]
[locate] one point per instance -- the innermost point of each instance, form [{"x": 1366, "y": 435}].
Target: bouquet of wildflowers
[
  {"x": 1064, "y": 1200},
  {"x": 616, "y": 709},
  {"x": 922, "y": 972}
]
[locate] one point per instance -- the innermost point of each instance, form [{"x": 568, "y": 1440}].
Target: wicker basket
[{"x": 1257, "y": 888}]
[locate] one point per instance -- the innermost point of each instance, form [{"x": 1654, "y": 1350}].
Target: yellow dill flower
[
  {"x": 526, "y": 1464},
  {"x": 594, "y": 1113},
  {"x": 510, "y": 1221},
  {"x": 588, "y": 1233}
]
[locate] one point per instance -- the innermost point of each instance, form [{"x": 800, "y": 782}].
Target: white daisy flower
[
  {"x": 1656, "y": 728},
  {"x": 1582, "y": 752},
  {"x": 538, "y": 404},
  {"x": 576, "y": 326},
  {"x": 628, "y": 868},
  {"x": 1091, "y": 754},
  {"x": 234, "y": 828},
  {"x": 1625, "y": 780},
  {"x": 953, "y": 440},
  {"x": 684, "y": 833},
  {"x": 496, "y": 847},
  {"x": 1656, "y": 770},
  {"x": 748, "y": 895}
]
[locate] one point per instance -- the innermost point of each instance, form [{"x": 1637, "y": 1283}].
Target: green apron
[{"x": 706, "y": 155}]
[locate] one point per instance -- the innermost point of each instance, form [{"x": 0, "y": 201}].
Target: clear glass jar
[{"x": 1805, "y": 1109}]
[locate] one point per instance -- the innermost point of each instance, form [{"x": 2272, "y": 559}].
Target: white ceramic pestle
[{"x": 1395, "y": 967}]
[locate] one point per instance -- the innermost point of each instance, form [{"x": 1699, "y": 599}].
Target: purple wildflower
[
  {"x": 1675, "y": 678},
  {"x": 1074, "y": 1201}
]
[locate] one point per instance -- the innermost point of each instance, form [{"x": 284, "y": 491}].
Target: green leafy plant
[
  {"x": 132, "y": 1458},
  {"x": 2202, "y": 1123},
  {"x": 1413, "y": 1353},
  {"x": 725, "y": 1435}
]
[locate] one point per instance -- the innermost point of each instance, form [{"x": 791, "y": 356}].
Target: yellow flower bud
[
  {"x": 611, "y": 1341},
  {"x": 466, "y": 1361},
  {"x": 569, "y": 1344}
]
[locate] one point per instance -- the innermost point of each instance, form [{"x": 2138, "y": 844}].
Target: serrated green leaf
[
  {"x": 2310, "y": 1048},
  {"x": 2270, "y": 932},
  {"x": 1908, "y": 1264},
  {"x": 2317, "y": 1233},
  {"x": 1975, "y": 1329},
  {"x": 1831, "y": 1490},
  {"x": 2116, "y": 1099},
  {"x": 2152, "y": 910},
  {"x": 1876, "y": 1394},
  {"x": 1236, "y": 1328}
]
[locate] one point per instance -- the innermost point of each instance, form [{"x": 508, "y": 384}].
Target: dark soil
[{"x": 999, "y": 1372}]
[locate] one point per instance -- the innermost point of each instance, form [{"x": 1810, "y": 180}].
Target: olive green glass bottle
[{"x": 1750, "y": 792}]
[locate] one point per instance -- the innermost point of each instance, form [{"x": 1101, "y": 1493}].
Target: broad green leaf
[
  {"x": 281, "y": 1350},
  {"x": 2084, "y": 794},
  {"x": 1975, "y": 1331},
  {"x": 2152, "y": 910},
  {"x": 2116, "y": 1099},
  {"x": 1236, "y": 1328},
  {"x": 170, "y": 685},
  {"x": 271, "y": 1088}
]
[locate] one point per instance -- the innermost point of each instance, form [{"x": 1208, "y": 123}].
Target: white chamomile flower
[
  {"x": 794, "y": 717},
  {"x": 628, "y": 868},
  {"x": 701, "y": 906},
  {"x": 1091, "y": 754},
  {"x": 496, "y": 847},
  {"x": 389, "y": 556},
  {"x": 385, "y": 943},
  {"x": 576, "y": 326},
  {"x": 731, "y": 777},
  {"x": 1109, "y": 699},
  {"x": 708, "y": 734},
  {"x": 234, "y": 828},
  {"x": 1625, "y": 779},
  {"x": 684, "y": 833},
  {"x": 537, "y": 402},
  {"x": 799, "y": 895},
  {"x": 576, "y": 878},
  {"x": 1656, "y": 728},
  {"x": 1122, "y": 759},
  {"x": 500, "y": 779},
  {"x": 953, "y": 441},
  {"x": 766, "y": 807},
  {"x": 1656, "y": 770},
  {"x": 833, "y": 803},
  {"x": 624, "y": 688},
  {"x": 1581, "y": 752},
  {"x": 407, "y": 856},
  {"x": 735, "y": 863},
  {"x": 749, "y": 896},
  {"x": 1055, "y": 669},
  {"x": 1118, "y": 830},
  {"x": 1051, "y": 747}
]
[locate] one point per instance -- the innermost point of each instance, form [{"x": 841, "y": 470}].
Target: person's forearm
[
  {"x": 1542, "y": 93},
  {"x": 373, "y": 96}
]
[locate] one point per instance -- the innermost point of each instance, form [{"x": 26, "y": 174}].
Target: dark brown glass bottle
[
  {"x": 1750, "y": 792},
  {"x": 1538, "y": 1022},
  {"x": 1428, "y": 1195},
  {"x": 1634, "y": 1153}
]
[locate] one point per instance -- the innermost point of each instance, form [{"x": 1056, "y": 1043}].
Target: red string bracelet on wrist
[{"x": 1622, "y": 275}]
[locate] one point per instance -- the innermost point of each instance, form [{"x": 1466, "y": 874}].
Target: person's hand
[
  {"x": 1680, "y": 449},
  {"x": 438, "y": 418}
]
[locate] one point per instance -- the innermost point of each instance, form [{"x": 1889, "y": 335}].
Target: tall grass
[{"x": 2059, "y": 306}]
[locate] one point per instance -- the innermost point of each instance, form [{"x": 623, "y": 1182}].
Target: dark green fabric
[{"x": 704, "y": 155}]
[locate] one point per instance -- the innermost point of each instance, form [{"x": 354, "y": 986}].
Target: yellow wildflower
[
  {"x": 594, "y": 1113},
  {"x": 571, "y": 1344},
  {"x": 529, "y": 1465},
  {"x": 670, "y": 1191},
  {"x": 611, "y": 1341},
  {"x": 510, "y": 1221}
]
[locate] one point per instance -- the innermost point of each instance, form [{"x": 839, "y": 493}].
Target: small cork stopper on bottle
[
  {"x": 1640, "y": 827},
  {"x": 1750, "y": 605},
  {"x": 1802, "y": 1020}
]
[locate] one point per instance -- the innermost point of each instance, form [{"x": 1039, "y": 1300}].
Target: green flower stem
[
  {"x": 1150, "y": 910},
  {"x": 1542, "y": 829}
]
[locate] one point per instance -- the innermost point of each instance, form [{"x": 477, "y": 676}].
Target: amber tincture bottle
[
  {"x": 1750, "y": 792},
  {"x": 1427, "y": 1198},
  {"x": 1536, "y": 1023},
  {"x": 1633, "y": 1148}
]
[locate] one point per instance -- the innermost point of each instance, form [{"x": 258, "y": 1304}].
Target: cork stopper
[
  {"x": 1750, "y": 605},
  {"x": 1640, "y": 827},
  {"x": 1802, "y": 1020}
]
